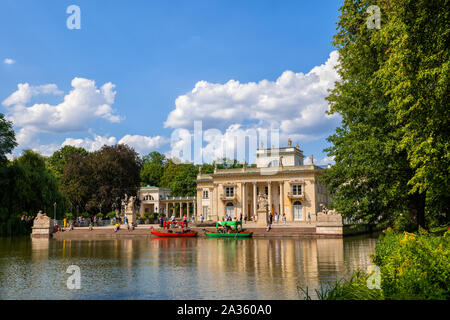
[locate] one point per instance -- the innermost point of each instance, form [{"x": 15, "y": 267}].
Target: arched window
[
  {"x": 229, "y": 209},
  {"x": 297, "y": 211},
  {"x": 274, "y": 163}
]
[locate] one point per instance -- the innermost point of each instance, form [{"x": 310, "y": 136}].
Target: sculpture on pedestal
[{"x": 263, "y": 205}]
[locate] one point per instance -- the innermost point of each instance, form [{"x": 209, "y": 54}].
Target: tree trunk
[{"x": 416, "y": 207}]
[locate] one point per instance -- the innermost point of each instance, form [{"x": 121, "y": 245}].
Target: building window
[
  {"x": 148, "y": 197},
  {"x": 274, "y": 163},
  {"x": 266, "y": 190},
  {"x": 229, "y": 210},
  {"x": 297, "y": 189},
  {"x": 206, "y": 212},
  {"x": 205, "y": 194},
  {"x": 229, "y": 192}
]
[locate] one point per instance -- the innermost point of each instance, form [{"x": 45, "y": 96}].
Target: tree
[
  {"x": 59, "y": 158},
  {"x": 116, "y": 172},
  {"x": 31, "y": 187},
  {"x": 180, "y": 178},
  {"x": 77, "y": 182},
  {"x": 152, "y": 169},
  {"x": 415, "y": 74},
  {"x": 369, "y": 179},
  {"x": 391, "y": 150},
  {"x": 102, "y": 177},
  {"x": 7, "y": 138}
]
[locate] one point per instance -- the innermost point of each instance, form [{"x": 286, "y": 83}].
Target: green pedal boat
[{"x": 228, "y": 229}]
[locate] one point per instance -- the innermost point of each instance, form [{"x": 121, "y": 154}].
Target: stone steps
[{"x": 258, "y": 232}]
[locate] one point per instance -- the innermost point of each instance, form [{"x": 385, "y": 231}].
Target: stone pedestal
[
  {"x": 42, "y": 226},
  {"x": 131, "y": 217},
  {"x": 262, "y": 217}
]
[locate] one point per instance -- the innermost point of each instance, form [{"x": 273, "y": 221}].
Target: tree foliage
[
  {"x": 7, "y": 138},
  {"x": 152, "y": 169},
  {"x": 377, "y": 148},
  {"x": 59, "y": 158},
  {"x": 101, "y": 178}
]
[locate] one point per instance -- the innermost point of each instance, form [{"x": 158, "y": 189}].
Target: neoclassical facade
[
  {"x": 292, "y": 188},
  {"x": 156, "y": 199}
]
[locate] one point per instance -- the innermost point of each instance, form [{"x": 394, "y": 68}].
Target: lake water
[{"x": 196, "y": 268}]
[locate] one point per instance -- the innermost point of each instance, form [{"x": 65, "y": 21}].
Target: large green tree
[
  {"x": 415, "y": 76},
  {"x": 180, "y": 178},
  {"x": 59, "y": 158},
  {"x": 376, "y": 168},
  {"x": 7, "y": 138},
  {"x": 101, "y": 178},
  {"x": 152, "y": 169}
]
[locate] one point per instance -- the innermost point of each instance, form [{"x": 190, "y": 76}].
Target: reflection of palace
[{"x": 291, "y": 187}]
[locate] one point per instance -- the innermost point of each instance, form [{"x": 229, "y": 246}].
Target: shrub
[
  {"x": 353, "y": 289},
  {"x": 100, "y": 215},
  {"x": 85, "y": 215},
  {"x": 414, "y": 266},
  {"x": 69, "y": 215},
  {"x": 111, "y": 214}
]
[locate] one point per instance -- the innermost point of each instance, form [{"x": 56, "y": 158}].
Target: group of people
[{"x": 26, "y": 218}]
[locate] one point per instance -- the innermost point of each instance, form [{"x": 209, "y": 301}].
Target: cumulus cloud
[
  {"x": 294, "y": 105},
  {"x": 142, "y": 144},
  {"x": 321, "y": 162},
  {"x": 83, "y": 105},
  {"x": 25, "y": 92},
  {"x": 90, "y": 144},
  {"x": 9, "y": 61},
  {"x": 294, "y": 102}
]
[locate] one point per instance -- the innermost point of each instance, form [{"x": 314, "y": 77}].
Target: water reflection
[{"x": 177, "y": 268}]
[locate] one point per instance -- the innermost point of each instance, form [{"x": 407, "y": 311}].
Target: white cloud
[
  {"x": 80, "y": 107},
  {"x": 322, "y": 162},
  {"x": 90, "y": 144},
  {"x": 143, "y": 144},
  {"x": 295, "y": 103},
  {"x": 9, "y": 61},
  {"x": 25, "y": 92}
]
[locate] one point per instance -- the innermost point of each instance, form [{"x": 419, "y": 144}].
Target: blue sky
[{"x": 155, "y": 52}]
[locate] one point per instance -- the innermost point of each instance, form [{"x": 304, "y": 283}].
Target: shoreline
[{"x": 144, "y": 232}]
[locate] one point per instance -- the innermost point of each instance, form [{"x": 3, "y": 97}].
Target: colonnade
[{"x": 170, "y": 208}]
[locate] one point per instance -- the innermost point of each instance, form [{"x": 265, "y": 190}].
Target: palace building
[{"x": 292, "y": 188}]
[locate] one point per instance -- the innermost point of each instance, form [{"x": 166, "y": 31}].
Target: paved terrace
[{"x": 288, "y": 230}]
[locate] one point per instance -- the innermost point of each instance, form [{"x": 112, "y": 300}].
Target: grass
[{"x": 354, "y": 288}]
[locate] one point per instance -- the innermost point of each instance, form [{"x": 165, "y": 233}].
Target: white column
[
  {"x": 181, "y": 209},
  {"x": 195, "y": 209},
  {"x": 254, "y": 199},
  {"x": 244, "y": 200},
  {"x": 210, "y": 209},
  {"x": 216, "y": 190},
  {"x": 269, "y": 187},
  {"x": 281, "y": 198}
]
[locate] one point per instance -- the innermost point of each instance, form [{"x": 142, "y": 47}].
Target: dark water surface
[{"x": 177, "y": 268}]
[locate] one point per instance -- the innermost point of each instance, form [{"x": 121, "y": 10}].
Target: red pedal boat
[{"x": 165, "y": 231}]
